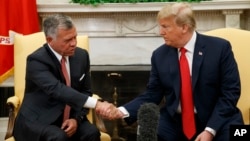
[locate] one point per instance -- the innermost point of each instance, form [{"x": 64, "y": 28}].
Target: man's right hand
[{"x": 108, "y": 110}]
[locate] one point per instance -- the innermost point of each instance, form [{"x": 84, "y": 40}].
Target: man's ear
[
  {"x": 185, "y": 28},
  {"x": 49, "y": 39}
]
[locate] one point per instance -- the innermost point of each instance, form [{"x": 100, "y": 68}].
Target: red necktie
[
  {"x": 66, "y": 76},
  {"x": 187, "y": 105}
]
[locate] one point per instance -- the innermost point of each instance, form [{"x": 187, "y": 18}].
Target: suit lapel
[
  {"x": 74, "y": 62},
  {"x": 199, "y": 53},
  {"x": 174, "y": 70},
  {"x": 55, "y": 61}
]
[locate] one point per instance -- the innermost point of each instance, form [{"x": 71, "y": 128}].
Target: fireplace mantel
[
  {"x": 125, "y": 19},
  {"x": 64, "y": 7},
  {"x": 116, "y": 28}
]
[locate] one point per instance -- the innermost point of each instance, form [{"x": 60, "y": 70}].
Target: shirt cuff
[
  {"x": 124, "y": 111},
  {"x": 90, "y": 103},
  {"x": 210, "y": 130}
]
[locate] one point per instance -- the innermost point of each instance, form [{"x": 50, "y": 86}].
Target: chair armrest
[
  {"x": 105, "y": 137},
  {"x": 13, "y": 101},
  {"x": 96, "y": 96},
  {"x": 98, "y": 119},
  {"x": 99, "y": 122},
  {"x": 10, "y": 139},
  {"x": 12, "y": 104}
]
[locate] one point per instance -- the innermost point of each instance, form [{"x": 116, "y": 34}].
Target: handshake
[{"x": 108, "y": 111}]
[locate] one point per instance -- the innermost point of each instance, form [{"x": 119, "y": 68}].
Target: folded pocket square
[{"x": 82, "y": 77}]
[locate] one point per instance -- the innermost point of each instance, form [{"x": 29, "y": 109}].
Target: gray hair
[
  {"x": 52, "y": 23},
  {"x": 182, "y": 12}
]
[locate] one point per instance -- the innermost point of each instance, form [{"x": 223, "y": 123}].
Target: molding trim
[{"x": 137, "y": 7}]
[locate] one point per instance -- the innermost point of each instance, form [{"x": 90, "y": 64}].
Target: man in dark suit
[
  {"x": 214, "y": 78},
  {"x": 48, "y": 89}
]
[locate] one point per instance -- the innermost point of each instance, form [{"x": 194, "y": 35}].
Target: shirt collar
[
  {"x": 191, "y": 43},
  {"x": 58, "y": 56}
]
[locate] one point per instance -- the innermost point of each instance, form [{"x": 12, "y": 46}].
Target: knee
[
  {"x": 94, "y": 132},
  {"x": 54, "y": 135},
  {"x": 59, "y": 136}
]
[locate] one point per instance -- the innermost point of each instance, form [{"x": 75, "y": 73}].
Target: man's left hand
[
  {"x": 69, "y": 126},
  {"x": 204, "y": 136}
]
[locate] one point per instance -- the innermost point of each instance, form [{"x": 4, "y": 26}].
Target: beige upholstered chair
[
  {"x": 240, "y": 41},
  {"x": 24, "y": 45}
]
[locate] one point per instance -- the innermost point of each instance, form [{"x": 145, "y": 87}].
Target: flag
[{"x": 17, "y": 16}]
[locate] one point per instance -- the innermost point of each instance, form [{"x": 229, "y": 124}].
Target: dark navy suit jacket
[
  {"x": 215, "y": 82},
  {"x": 46, "y": 93}
]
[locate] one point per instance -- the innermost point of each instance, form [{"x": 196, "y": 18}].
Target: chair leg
[{"x": 11, "y": 120}]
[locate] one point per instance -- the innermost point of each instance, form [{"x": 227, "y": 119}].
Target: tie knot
[
  {"x": 183, "y": 50},
  {"x": 63, "y": 60}
]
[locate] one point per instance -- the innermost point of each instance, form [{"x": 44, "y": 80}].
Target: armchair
[
  {"x": 240, "y": 42},
  {"x": 24, "y": 45}
]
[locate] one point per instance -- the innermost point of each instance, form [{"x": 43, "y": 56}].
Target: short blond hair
[{"x": 182, "y": 13}]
